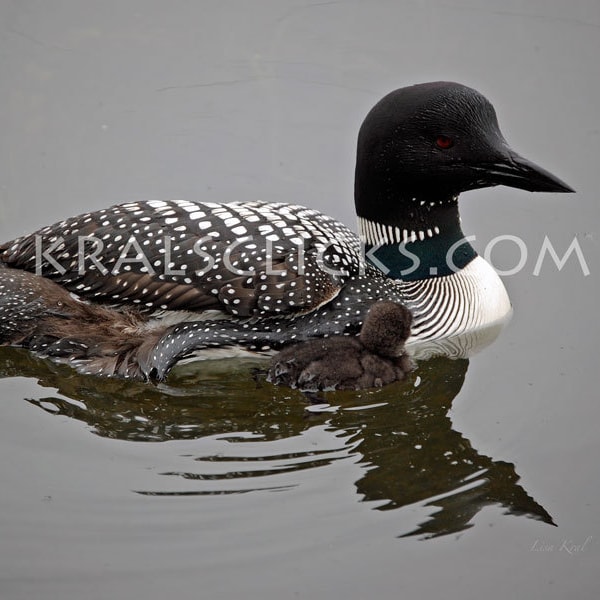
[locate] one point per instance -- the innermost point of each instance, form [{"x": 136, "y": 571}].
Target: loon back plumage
[
  {"x": 180, "y": 278},
  {"x": 245, "y": 258}
]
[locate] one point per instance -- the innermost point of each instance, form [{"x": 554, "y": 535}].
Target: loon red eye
[{"x": 444, "y": 142}]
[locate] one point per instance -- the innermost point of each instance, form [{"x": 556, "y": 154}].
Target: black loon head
[{"x": 426, "y": 143}]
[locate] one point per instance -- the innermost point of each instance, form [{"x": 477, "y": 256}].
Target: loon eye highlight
[{"x": 444, "y": 142}]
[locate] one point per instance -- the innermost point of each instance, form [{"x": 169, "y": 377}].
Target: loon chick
[
  {"x": 40, "y": 315},
  {"x": 258, "y": 276},
  {"x": 372, "y": 359}
]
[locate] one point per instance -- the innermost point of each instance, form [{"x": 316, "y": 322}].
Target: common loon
[
  {"x": 374, "y": 358},
  {"x": 174, "y": 280}
]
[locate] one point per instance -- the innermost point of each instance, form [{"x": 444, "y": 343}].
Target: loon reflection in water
[{"x": 401, "y": 436}]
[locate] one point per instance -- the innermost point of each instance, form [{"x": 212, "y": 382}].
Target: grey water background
[{"x": 217, "y": 485}]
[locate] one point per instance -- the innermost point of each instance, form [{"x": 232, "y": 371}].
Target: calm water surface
[{"x": 472, "y": 478}]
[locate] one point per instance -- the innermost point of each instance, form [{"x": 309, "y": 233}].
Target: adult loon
[
  {"x": 163, "y": 281},
  {"x": 374, "y": 358}
]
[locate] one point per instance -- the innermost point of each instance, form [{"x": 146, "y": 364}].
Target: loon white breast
[{"x": 193, "y": 277}]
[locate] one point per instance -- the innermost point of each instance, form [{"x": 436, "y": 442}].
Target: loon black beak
[{"x": 518, "y": 172}]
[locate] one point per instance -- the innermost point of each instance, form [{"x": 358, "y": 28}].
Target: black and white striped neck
[{"x": 424, "y": 241}]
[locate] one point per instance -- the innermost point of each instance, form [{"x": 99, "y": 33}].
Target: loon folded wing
[{"x": 247, "y": 258}]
